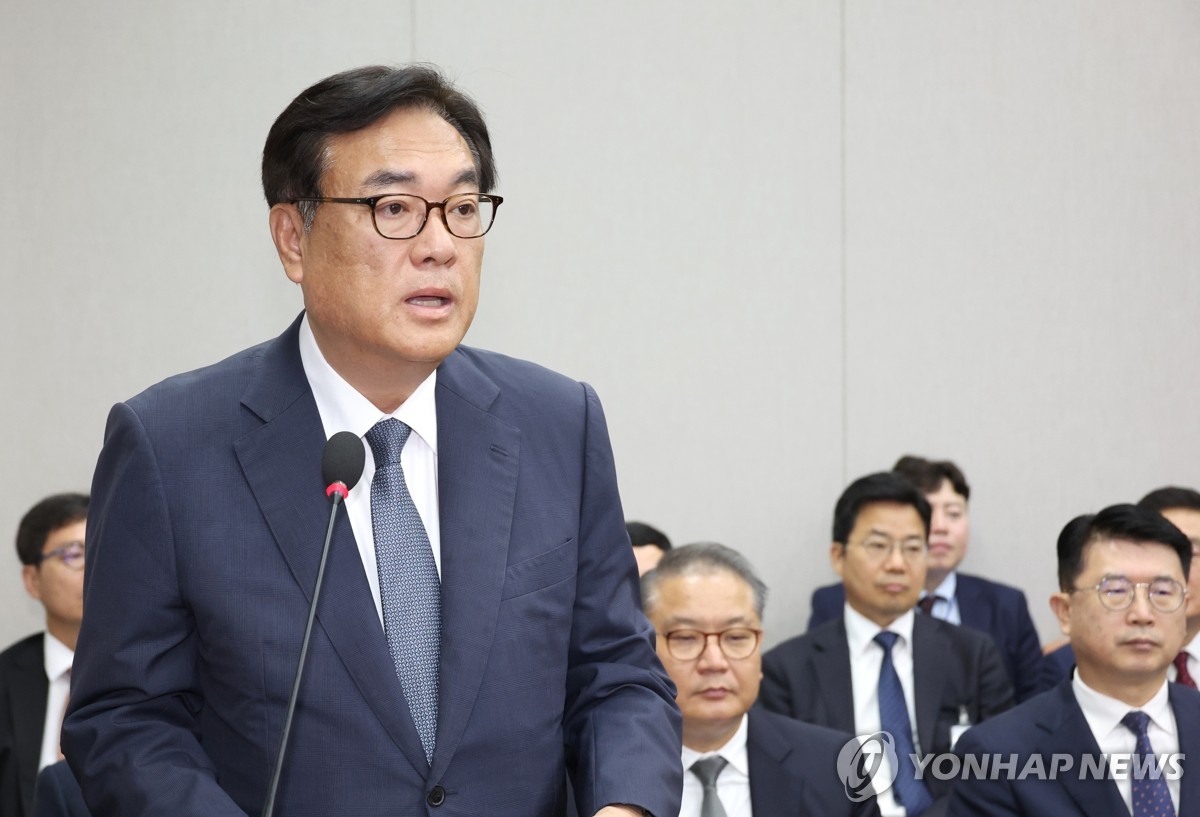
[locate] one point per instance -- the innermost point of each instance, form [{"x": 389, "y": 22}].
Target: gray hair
[{"x": 702, "y": 559}]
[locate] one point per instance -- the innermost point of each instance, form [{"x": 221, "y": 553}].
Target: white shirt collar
[
  {"x": 947, "y": 588},
  {"x": 57, "y": 657},
  {"x": 1192, "y": 648},
  {"x": 1104, "y": 713},
  {"x": 734, "y": 751},
  {"x": 343, "y": 408},
  {"x": 861, "y": 631}
]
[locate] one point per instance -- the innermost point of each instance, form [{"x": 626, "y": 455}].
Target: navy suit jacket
[
  {"x": 808, "y": 678},
  {"x": 1053, "y": 723},
  {"x": 57, "y": 793},
  {"x": 23, "y": 690},
  {"x": 207, "y": 519},
  {"x": 1057, "y": 665},
  {"x": 793, "y": 769},
  {"x": 989, "y": 607}
]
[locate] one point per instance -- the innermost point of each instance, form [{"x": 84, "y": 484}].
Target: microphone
[
  {"x": 342, "y": 464},
  {"x": 341, "y": 467}
]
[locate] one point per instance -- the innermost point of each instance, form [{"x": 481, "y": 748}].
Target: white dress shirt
[
  {"x": 733, "y": 784},
  {"x": 946, "y": 606},
  {"x": 57, "y": 658},
  {"x": 342, "y": 408},
  {"x": 866, "y": 659},
  {"x": 1103, "y": 715}
]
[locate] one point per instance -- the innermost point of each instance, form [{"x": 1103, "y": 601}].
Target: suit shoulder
[
  {"x": 800, "y": 733},
  {"x": 21, "y": 651},
  {"x": 514, "y": 372},
  {"x": 196, "y": 385},
  {"x": 1016, "y": 730},
  {"x": 977, "y": 585},
  {"x": 962, "y": 637}
]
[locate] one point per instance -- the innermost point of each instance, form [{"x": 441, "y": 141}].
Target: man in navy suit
[
  {"x": 843, "y": 674},
  {"x": 1181, "y": 507},
  {"x": 497, "y": 512},
  {"x": 1122, "y": 574},
  {"x": 706, "y": 604},
  {"x": 960, "y": 598}
]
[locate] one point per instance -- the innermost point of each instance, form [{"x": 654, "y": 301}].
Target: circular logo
[{"x": 860, "y": 765}]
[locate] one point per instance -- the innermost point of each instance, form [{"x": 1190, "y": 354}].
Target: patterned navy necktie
[
  {"x": 1151, "y": 797},
  {"x": 408, "y": 581},
  {"x": 893, "y": 717}
]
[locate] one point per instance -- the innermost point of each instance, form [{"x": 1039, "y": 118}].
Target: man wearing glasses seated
[
  {"x": 879, "y": 669},
  {"x": 1122, "y": 576},
  {"x": 35, "y": 673},
  {"x": 706, "y": 605}
]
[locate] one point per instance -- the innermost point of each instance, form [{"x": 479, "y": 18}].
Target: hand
[{"x": 620, "y": 811}]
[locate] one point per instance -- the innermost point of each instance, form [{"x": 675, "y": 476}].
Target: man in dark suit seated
[
  {"x": 479, "y": 635},
  {"x": 706, "y": 605},
  {"x": 1181, "y": 507},
  {"x": 960, "y": 598},
  {"x": 35, "y": 673},
  {"x": 879, "y": 667},
  {"x": 1122, "y": 575}
]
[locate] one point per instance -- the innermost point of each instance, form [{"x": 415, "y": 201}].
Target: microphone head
[{"x": 343, "y": 459}]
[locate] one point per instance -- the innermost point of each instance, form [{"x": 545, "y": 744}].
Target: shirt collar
[
  {"x": 57, "y": 657},
  {"x": 734, "y": 751},
  {"x": 861, "y": 631},
  {"x": 343, "y": 408},
  {"x": 1192, "y": 648},
  {"x": 1104, "y": 713},
  {"x": 947, "y": 588}
]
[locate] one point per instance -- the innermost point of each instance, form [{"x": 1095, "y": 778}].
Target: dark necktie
[
  {"x": 893, "y": 717},
  {"x": 1182, "y": 676},
  {"x": 926, "y": 604},
  {"x": 1151, "y": 797},
  {"x": 708, "y": 770},
  {"x": 408, "y": 581}
]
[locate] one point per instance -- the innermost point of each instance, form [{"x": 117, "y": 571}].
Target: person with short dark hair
[
  {"x": 706, "y": 603},
  {"x": 990, "y": 607},
  {"x": 35, "y": 673},
  {"x": 879, "y": 667},
  {"x": 1180, "y": 507},
  {"x": 479, "y": 638},
  {"x": 1122, "y": 577},
  {"x": 649, "y": 545}
]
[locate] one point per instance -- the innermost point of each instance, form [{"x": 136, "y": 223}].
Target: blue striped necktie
[{"x": 893, "y": 717}]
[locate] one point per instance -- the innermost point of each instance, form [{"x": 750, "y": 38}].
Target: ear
[
  {"x": 287, "y": 231},
  {"x": 33, "y": 581},
  {"x": 1060, "y": 604},
  {"x": 837, "y": 557}
]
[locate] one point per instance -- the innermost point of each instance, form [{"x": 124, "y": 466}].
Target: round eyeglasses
[
  {"x": 1117, "y": 593},
  {"x": 72, "y": 554},
  {"x": 401, "y": 215},
  {"x": 879, "y": 549},
  {"x": 736, "y": 643}
]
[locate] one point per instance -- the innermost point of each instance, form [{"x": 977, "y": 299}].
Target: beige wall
[{"x": 787, "y": 241}]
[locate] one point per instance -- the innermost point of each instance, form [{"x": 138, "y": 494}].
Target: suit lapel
[
  {"x": 971, "y": 607},
  {"x": 28, "y": 687},
  {"x": 1186, "y": 705},
  {"x": 831, "y": 660},
  {"x": 770, "y": 787},
  {"x": 1067, "y": 732},
  {"x": 281, "y": 459},
  {"x": 478, "y": 458},
  {"x": 929, "y": 677}
]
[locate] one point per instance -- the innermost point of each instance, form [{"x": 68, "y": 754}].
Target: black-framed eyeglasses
[
  {"x": 402, "y": 215},
  {"x": 736, "y": 642},
  {"x": 1118, "y": 592},
  {"x": 72, "y": 554},
  {"x": 879, "y": 549}
]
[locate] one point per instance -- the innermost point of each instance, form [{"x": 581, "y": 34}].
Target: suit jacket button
[{"x": 436, "y": 797}]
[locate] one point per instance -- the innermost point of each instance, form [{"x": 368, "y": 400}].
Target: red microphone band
[{"x": 337, "y": 488}]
